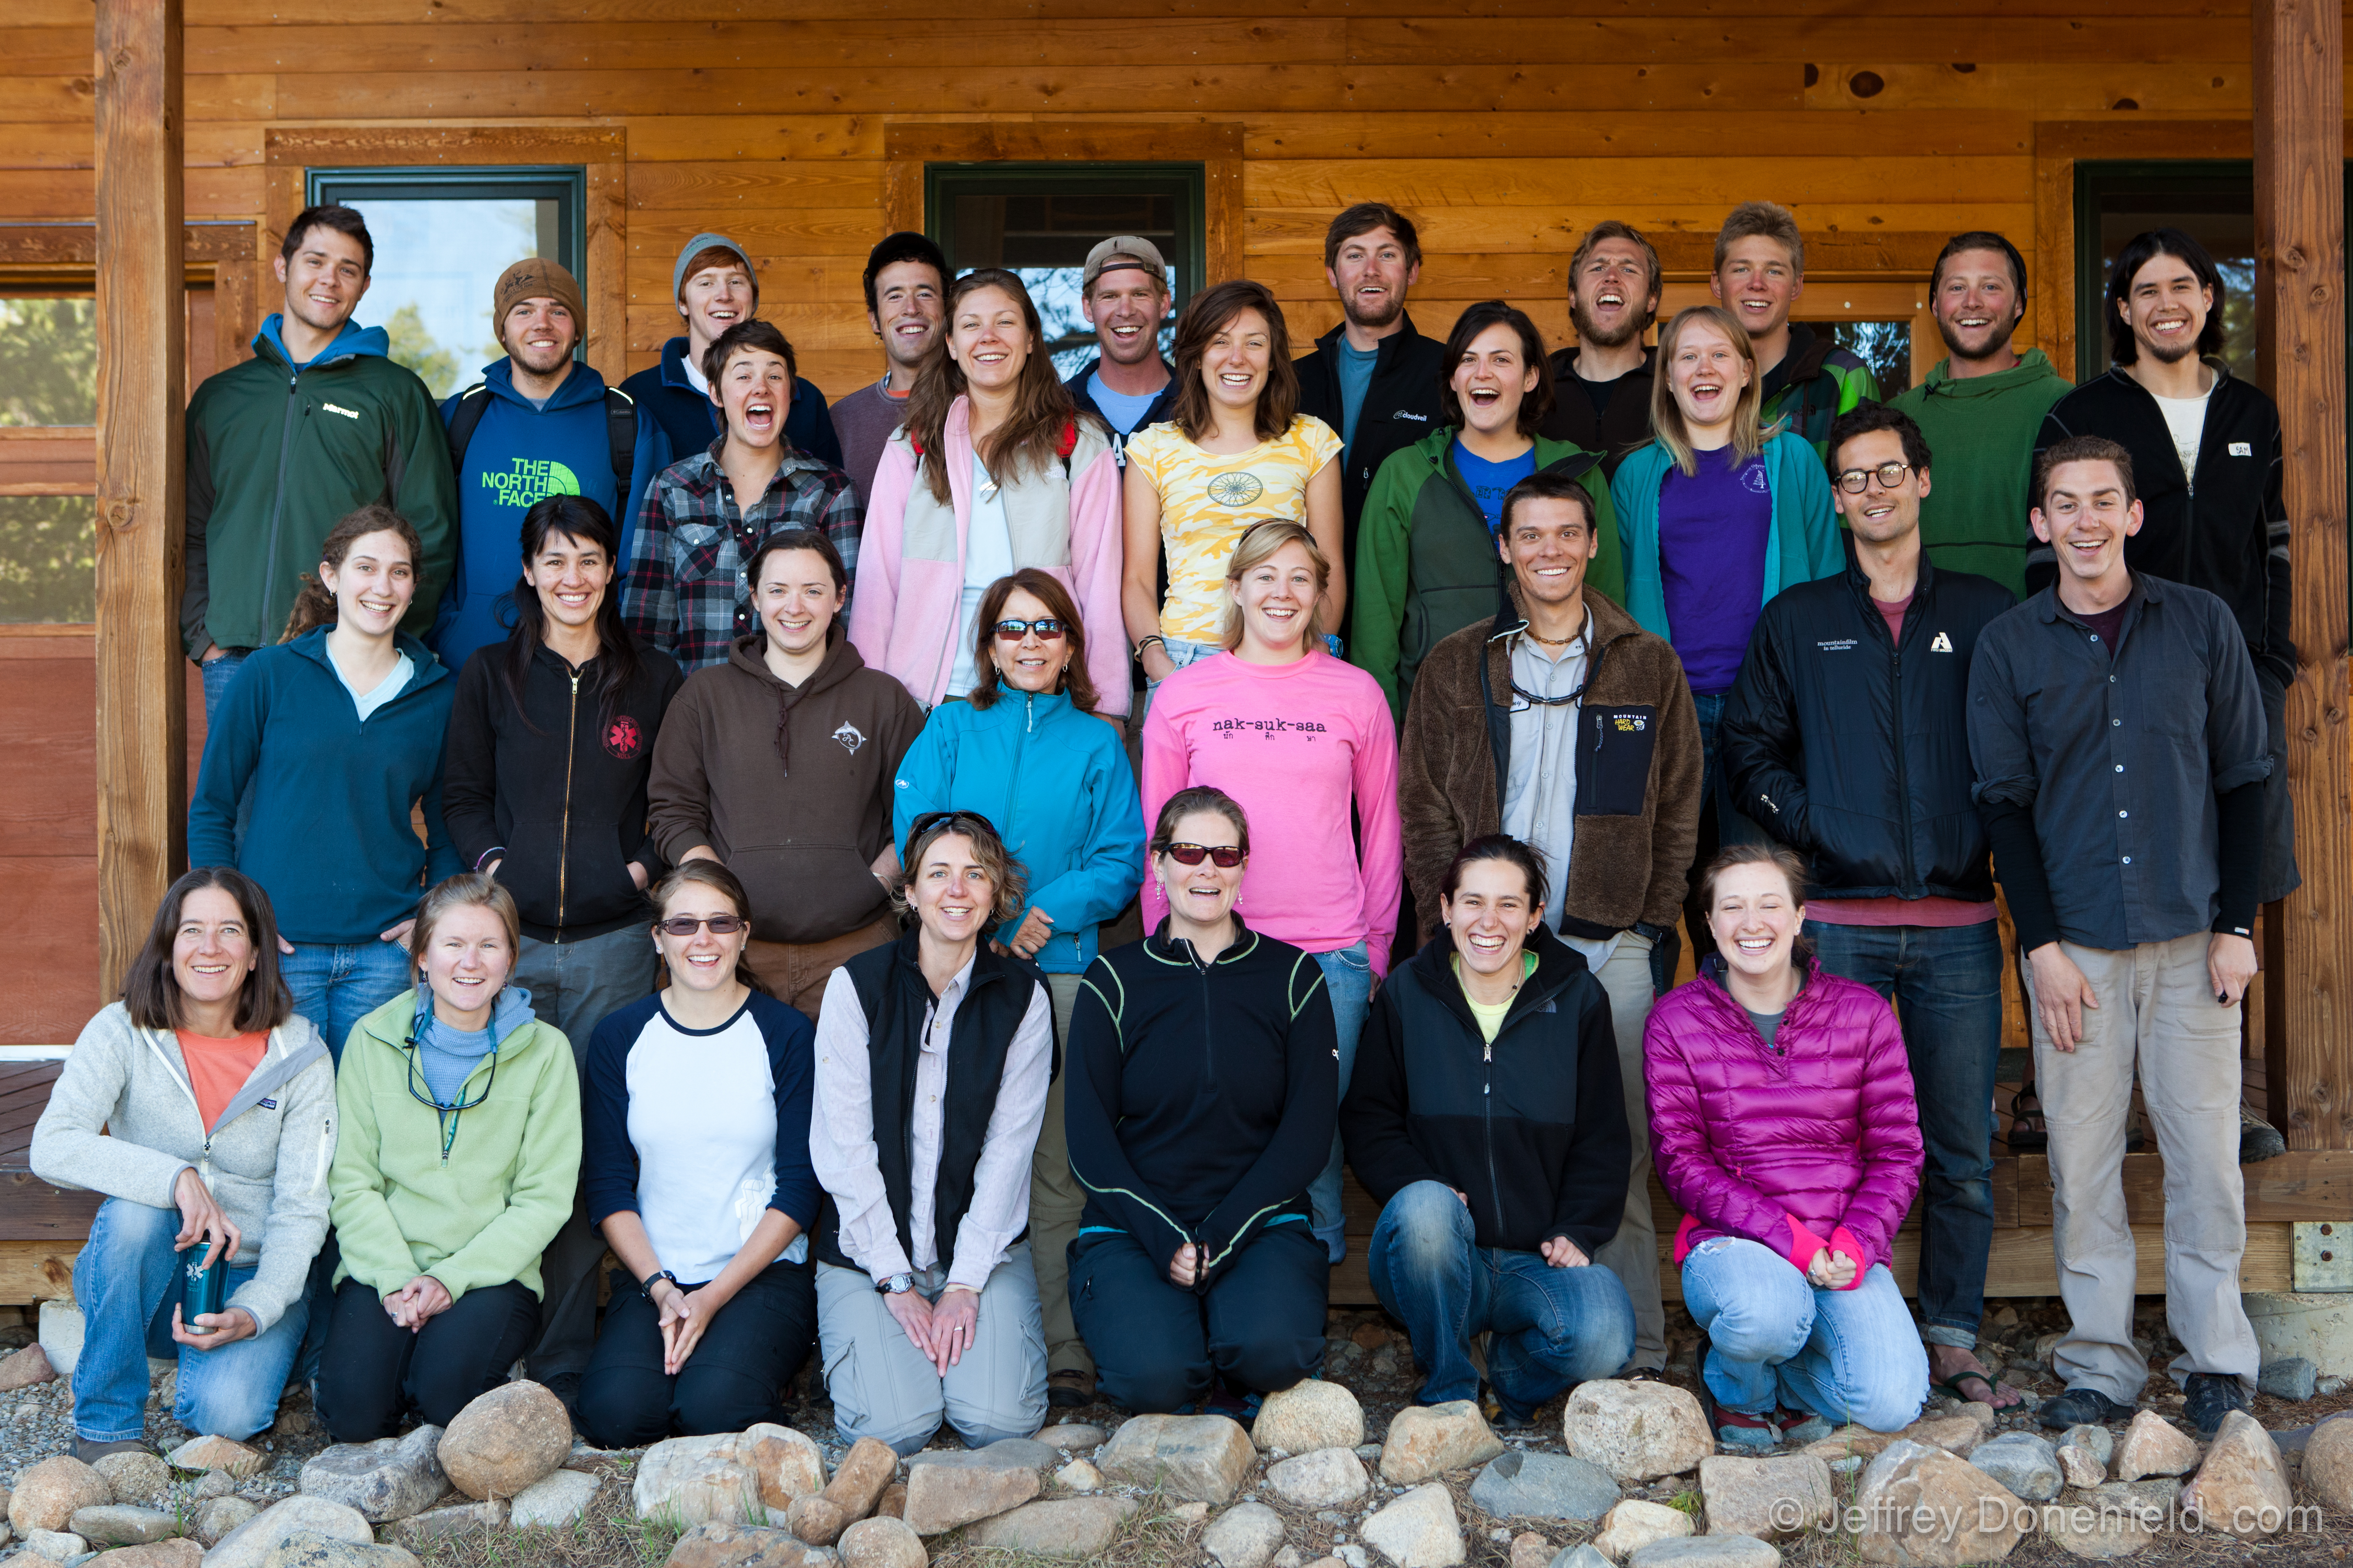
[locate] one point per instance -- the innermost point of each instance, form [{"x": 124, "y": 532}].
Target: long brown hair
[
  {"x": 313, "y": 606},
  {"x": 1667, "y": 415},
  {"x": 721, "y": 880},
  {"x": 1208, "y": 315},
  {"x": 1048, "y": 590},
  {"x": 151, "y": 991},
  {"x": 1042, "y": 408}
]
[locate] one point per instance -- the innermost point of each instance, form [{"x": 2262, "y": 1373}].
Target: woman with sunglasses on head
[
  {"x": 994, "y": 471},
  {"x": 455, "y": 1167},
  {"x": 696, "y": 1107},
  {"x": 1021, "y": 751},
  {"x": 933, "y": 1058},
  {"x": 777, "y": 764},
  {"x": 1303, "y": 742},
  {"x": 1202, "y": 1084}
]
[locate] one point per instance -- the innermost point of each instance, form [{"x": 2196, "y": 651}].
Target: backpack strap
[
  {"x": 472, "y": 404},
  {"x": 621, "y": 430}
]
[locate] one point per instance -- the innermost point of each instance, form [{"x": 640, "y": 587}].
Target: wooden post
[
  {"x": 2299, "y": 139},
  {"x": 142, "y": 392}
]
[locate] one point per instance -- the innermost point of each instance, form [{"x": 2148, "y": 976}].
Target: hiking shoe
[
  {"x": 2211, "y": 1396},
  {"x": 1071, "y": 1388},
  {"x": 2258, "y": 1139},
  {"x": 2082, "y": 1407},
  {"x": 90, "y": 1453}
]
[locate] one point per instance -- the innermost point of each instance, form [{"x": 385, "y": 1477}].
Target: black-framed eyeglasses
[
  {"x": 1048, "y": 628},
  {"x": 1225, "y": 856},
  {"x": 1854, "y": 481},
  {"x": 687, "y": 925}
]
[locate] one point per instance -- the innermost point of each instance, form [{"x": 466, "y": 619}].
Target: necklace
[{"x": 1570, "y": 641}]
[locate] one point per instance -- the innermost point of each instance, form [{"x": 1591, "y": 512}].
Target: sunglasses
[
  {"x": 959, "y": 821},
  {"x": 687, "y": 925},
  {"x": 1225, "y": 856},
  {"x": 1047, "y": 627}
]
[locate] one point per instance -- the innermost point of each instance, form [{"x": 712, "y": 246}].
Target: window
[
  {"x": 442, "y": 237},
  {"x": 1884, "y": 346},
  {"x": 2212, "y": 201},
  {"x": 48, "y": 398},
  {"x": 1040, "y": 220}
]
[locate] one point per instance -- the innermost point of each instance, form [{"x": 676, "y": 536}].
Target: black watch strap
[{"x": 646, "y": 1286}]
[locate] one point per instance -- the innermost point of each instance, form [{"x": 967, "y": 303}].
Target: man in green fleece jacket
[{"x": 1981, "y": 409}]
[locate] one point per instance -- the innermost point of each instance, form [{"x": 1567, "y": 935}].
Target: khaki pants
[
  {"x": 2157, "y": 1009},
  {"x": 795, "y": 971},
  {"x": 1056, "y": 1201},
  {"x": 1632, "y": 1254}
]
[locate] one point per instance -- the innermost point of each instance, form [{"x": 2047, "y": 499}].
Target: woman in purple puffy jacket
[{"x": 1783, "y": 1123}]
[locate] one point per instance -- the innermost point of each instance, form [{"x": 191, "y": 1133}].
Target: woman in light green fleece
[{"x": 459, "y": 1152}]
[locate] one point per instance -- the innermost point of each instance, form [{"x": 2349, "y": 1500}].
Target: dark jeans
[
  {"x": 1551, "y": 1327},
  {"x": 2279, "y": 876},
  {"x": 374, "y": 1371},
  {"x": 751, "y": 1350},
  {"x": 1946, "y": 986},
  {"x": 1158, "y": 1347},
  {"x": 1718, "y": 825}
]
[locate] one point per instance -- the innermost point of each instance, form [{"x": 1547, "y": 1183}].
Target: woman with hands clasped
[
  {"x": 696, "y": 1162},
  {"x": 1783, "y": 1123}
]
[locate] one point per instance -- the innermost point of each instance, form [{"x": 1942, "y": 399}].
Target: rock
[
  {"x": 61, "y": 1332},
  {"x": 214, "y": 1483},
  {"x": 24, "y": 1368},
  {"x": 1517, "y": 1485},
  {"x": 1954, "y": 1434},
  {"x": 217, "y": 1454},
  {"x": 2154, "y": 1446},
  {"x": 881, "y": 1543},
  {"x": 1005, "y": 1451},
  {"x": 1427, "y": 1440},
  {"x": 1708, "y": 1552},
  {"x": 1071, "y": 1437},
  {"x": 1292, "y": 1557},
  {"x": 1636, "y": 1431},
  {"x": 2098, "y": 1440},
  {"x": 894, "y": 1501},
  {"x": 505, "y": 1439},
  {"x": 2328, "y": 1466},
  {"x": 1419, "y": 1530},
  {"x": 2293, "y": 1379},
  {"x": 2080, "y": 1468},
  {"x": 1922, "y": 1506},
  {"x": 816, "y": 1521},
  {"x": 1771, "y": 1499},
  {"x": 1844, "y": 1441},
  {"x": 942, "y": 1496},
  {"x": 1530, "y": 1550},
  {"x": 1078, "y": 1476},
  {"x": 2241, "y": 1488},
  {"x": 386, "y": 1479},
  {"x": 1246, "y": 1535},
  {"x": 1978, "y": 1411},
  {"x": 134, "y": 1478},
  {"x": 53, "y": 1492},
  {"x": 1200, "y": 1457},
  {"x": 419, "y": 1531},
  {"x": 307, "y": 1549},
  {"x": 1351, "y": 1555},
  {"x": 2023, "y": 1462},
  {"x": 215, "y": 1517},
  {"x": 859, "y": 1479},
  {"x": 1068, "y": 1526},
  {"x": 163, "y": 1554},
  {"x": 1584, "y": 1556},
  {"x": 57, "y": 1545},
  {"x": 251, "y": 1543},
  {"x": 1324, "y": 1479},
  {"x": 2109, "y": 1522},
  {"x": 114, "y": 1524},
  {"x": 717, "y": 1544},
  {"x": 553, "y": 1501},
  {"x": 1310, "y": 1415},
  {"x": 747, "y": 1475},
  {"x": 1188, "y": 1514},
  {"x": 1634, "y": 1524}
]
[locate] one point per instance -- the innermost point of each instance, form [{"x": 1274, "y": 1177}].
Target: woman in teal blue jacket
[{"x": 1025, "y": 751}]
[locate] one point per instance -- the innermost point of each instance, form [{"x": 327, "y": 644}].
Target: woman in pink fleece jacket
[
  {"x": 994, "y": 469},
  {"x": 1783, "y": 1121},
  {"x": 1298, "y": 737}
]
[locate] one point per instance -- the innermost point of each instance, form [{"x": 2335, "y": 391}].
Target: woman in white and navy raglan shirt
[{"x": 696, "y": 1114}]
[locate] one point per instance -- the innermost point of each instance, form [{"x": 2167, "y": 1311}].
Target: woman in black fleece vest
[{"x": 1203, "y": 1066}]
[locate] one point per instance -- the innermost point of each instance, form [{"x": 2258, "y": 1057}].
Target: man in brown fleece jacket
[{"x": 1564, "y": 724}]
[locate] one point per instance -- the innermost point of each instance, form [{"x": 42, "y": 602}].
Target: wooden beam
[
  {"x": 2299, "y": 146},
  {"x": 142, "y": 714}
]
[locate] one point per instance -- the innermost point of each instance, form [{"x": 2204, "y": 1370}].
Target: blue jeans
[
  {"x": 126, "y": 1280},
  {"x": 1552, "y": 1327},
  {"x": 218, "y": 676},
  {"x": 1945, "y": 985},
  {"x": 335, "y": 985},
  {"x": 1348, "y": 980},
  {"x": 1773, "y": 1338}
]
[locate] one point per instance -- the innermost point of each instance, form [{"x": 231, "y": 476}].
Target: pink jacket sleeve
[
  {"x": 1382, "y": 846},
  {"x": 1890, "y": 1143},
  {"x": 876, "y": 601},
  {"x": 1098, "y": 558},
  {"x": 1718, "y": 1198},
  {"x": 1167, "y": 764}
]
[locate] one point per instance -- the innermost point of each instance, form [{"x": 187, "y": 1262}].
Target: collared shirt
[
  {"x": 2120, "y": 754},
  {"x": 841, "y": 1138},
  {"x": 1540, "y": 789}
]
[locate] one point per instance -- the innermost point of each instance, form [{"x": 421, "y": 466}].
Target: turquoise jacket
[{"x": 1803, "y": 544}]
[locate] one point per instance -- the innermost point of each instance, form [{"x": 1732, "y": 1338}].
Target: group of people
[{"x": 835, "y": 828}]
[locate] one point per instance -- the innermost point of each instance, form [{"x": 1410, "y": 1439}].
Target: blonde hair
[
  {"x": 1667, "y": 415},
  {"x": 1258, "y": 544},
  {"x": 476, "y": 888},
  {"x": 1761, "y": 220}
]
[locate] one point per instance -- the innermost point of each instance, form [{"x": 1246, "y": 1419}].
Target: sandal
[
  {"x": 1952, "y": 1385},
  {"x": 2027, "y": 1132}
]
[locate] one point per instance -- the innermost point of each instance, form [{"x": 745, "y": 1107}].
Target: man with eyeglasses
[
  {"x": 1846, "y": 738},
  {"x": 1587, "y": 722}
]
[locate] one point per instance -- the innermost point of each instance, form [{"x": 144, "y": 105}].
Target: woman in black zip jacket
[
  {"x": 550, "y": 743},
  {"x": 1203, "y": 1071},
  {"x": 1486, "y": 1115}
]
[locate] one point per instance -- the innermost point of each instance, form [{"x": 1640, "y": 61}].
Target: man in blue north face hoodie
[{"x": 538, "y": 424}]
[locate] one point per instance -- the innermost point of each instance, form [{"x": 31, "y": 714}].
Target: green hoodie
[
  {"x": 480, "y": 1214},
  {"x": 1981, "y": 434},
  {"x": 1427, "y": 566}
]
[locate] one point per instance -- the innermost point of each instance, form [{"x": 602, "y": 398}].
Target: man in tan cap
[
  {"x": 539, "y": 422},
  {"x": 1124, "y": 293}
]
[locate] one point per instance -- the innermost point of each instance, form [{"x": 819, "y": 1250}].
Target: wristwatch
[
  {"x": 646, "y": 1286},
  {"x": 897, "y": 1285}
]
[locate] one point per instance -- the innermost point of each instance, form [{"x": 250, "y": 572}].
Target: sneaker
[
  {"x": 2082, "y": 1407},
  {"x": 1071, "y": 1388},
  {"x": 2213, "y": 1395},
  {"x": 90, "y": 1453},
  {"x": 1734, "y": 1428}
]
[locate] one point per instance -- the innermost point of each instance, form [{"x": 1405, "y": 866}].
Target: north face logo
[
  {"x": 849, "y": 738},
  {"x": 1942, "y": 645}
]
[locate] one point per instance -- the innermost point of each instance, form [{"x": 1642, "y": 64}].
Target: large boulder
[
  {"x": 1310, "y": 1415},
  {"x": 1419, "y": 1529},
  {"x": 1636, "y": 1431},
  {"x": 1428, "y": 1440},
  {"x": 1245, "y": 1536},
  {"x": 2023, "y": 1462},
  {"x": 308, "y": 1549},
  {"x": 880, "y": 1542},
  {"x": 858, "y": 1481},
  {"x": 1773, "y": 1498},
  {"x": 944, "y": 1495},
  {"x": 1922, "y": 1506},
  {"x": 2153, "y": 1447},
  {"x": 2328, "y": 1465},
  {"x": 1201, "y": 1458},
  {"x": 2241, "y": 1488},
  {"x": 506, "y": 1439},
  {"x": 732, "y": 1477},
  {"x": 53, "y": 1492},
  {"x": 553, "y": 1501},
  {"x": 1068, "y": 1526},
  {"x": 1517, "y": 1485},
  {"x": 1324, "y": 1479},
  {"x": 389, "y": 1478},
  {"x": 116, "y": 1524},
  {"x": 137, "y": 1478},
  {"x": 1634, "y": 1524},
  {"x": 251, "y": 1543}
]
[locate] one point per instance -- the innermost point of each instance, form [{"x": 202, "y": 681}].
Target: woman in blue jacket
[
  {"x": 1715, "y": 517},
  {"x": 1026, "y": 750}
]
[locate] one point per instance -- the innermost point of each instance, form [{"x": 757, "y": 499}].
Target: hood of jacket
[
  {"x": 425, "y": 666},
  {"x": 841, "y": 661},
  {"x": 353, "y": 339},
  {"x": 584, "y": 385},
  {"x": 511, "y": 1012},
  {"x": 2032, "y": 369}
]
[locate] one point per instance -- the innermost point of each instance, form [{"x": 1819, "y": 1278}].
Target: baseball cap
[{"x": 1124, "y": 249}]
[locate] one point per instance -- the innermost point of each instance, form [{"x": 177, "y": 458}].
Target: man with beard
[
  {"x": 906, "y": 299},
  {"x": 1601, "y": 387},
  {"x": 1760, "y": 275},
  {"x": 1372, "y": 378},
  {"x": 1123, "y": 293},
  {"x": 1981, "y": 409}
]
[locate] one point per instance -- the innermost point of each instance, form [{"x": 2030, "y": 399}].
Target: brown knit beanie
[{"x": 536, "y": 278}]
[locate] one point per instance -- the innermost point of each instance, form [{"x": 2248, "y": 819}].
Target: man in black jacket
[
  {"x": 1847, "y": 738},
  {"x": 1601, "y": 386},
  {"x": 1372, "y": 378}
]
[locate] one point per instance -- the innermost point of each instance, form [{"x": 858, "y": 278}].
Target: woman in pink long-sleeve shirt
[{"x": 1297, "y": 737}]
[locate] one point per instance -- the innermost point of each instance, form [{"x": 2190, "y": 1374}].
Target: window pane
[
  {"x": 435, "y": 263},
  {"x": 2222, "y": 221},
  {"x": 48, "y": 558},
  {"x": 49, "y": 361},
  {"x": 1884, "y": 346}
]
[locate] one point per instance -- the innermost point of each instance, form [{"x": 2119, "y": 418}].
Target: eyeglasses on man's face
[{"x": 1854, "y": 481}]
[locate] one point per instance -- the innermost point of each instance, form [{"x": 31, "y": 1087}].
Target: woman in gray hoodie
[{"x": 203, "y": 1108}]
